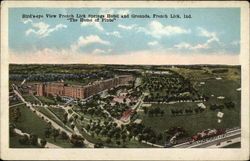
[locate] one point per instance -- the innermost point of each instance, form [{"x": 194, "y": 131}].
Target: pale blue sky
[{"x": 209, "y": 31}]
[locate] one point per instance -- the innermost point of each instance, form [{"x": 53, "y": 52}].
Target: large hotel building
[{"x": 77, "y": 91}]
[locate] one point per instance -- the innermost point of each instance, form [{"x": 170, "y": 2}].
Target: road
[
  {"x": 54, "y": 124},
  {"x": 232, "y": 134},
  {"x": 209, "y": 144},
  {"x": 17, "y": 104},
  {"x": 46, "y": 108}
]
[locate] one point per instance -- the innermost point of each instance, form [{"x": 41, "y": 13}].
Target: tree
[
  {"x": 43, "y": 142},
  {"x": 47, "y": 132},
  {"x": 15, "y": 113},
  {"x": 72, "y": 126},
  {"x": 76, "y": 117},
  {"x": 140, "y": 138},
  {"x": 50, "y": 96},
  {"x": 97, "y": 131},
  {"x": 33, "y": 139},
  {"x": 159, "y": 136},
  {"x": 130, "y": 136},
  {"x": 108, "y": 140},
  {"x": 24, "y": 140},
  {"x": 55, "y": 134},
  {"x": 65, "y": 121},
  {"x": 98, "y": 145},
  {"x": 117, "y": 136},
  {"x": 87, "y": 127},
  {"x": 81, "y": 118},
  {"x": 124, "y": 137},
  {"x": 118, "y": 142},
  {"x": 162, "y": 112},
  {"x": 11, "y": 129},
  {"x": 145, "y": 110},
  {"x": 58, "y": 98},
  {"x": 65, "y": 115},
  {"x": 104, "y": 131},
  {"x": 64, "y": 135},
  {"x": 77, "y": 140}
]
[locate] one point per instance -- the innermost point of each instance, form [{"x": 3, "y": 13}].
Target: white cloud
[
  {"x": 114, "y": 33},
  {"x": 153, "y": 43},
  {"x": 83, "y": 41},
  {"x": 42, "y": 29},
  {"x": 212, "y": 37},
  {"x": 200, "y": 46},
  {"x": 27, "y": 21},
  {"x": 100, "y": 51},
  {"x": 94, "y": 24},
  {"x": 126, "y": 27},
  {"x": 157, "y": 30},
  {"x": 63, "y": 56},
  {"x": 185, "y": 45}
]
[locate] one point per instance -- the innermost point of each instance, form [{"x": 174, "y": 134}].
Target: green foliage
[
  {"x": 24, "y": 140},
  {"x": 77, "y": 140},
  {"x": 33, "y": 139},
  {"x": 43, "y": 142}
]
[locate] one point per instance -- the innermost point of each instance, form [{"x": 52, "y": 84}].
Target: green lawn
[
  {"x": 207, "y": 119},
  {"x": 192, "y": 123},
  {"x": 59, "y": 112},
  {"x": 49, "y": 115},
  {"x": 46, "y": 100},
  {"x": 14, "y": 143},
  {"x": 32, "y": 124},
  {"x": 93, "y": 117},
  {"x": 31, "y": 99},
  {"x": 29, "y": 122},
  {"x": 100, "y": 138}
]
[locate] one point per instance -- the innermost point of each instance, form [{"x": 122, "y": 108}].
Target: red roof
[
  {"x": 124, "y": 91},
  {"x": 194, "y": 137},
  {"x": 126, "y": 114}
]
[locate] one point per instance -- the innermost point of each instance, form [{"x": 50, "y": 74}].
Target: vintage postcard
[{"x": 125, "y": 80}]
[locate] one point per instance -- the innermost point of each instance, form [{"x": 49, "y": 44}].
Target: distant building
[
  {"x": 201, "y": 105},
  {"x": 122, "y": 99},
  {"x": 138, "y": 121},
  {"x": 75, "y": 91},
  {"x": 126, "y": 115},
  {"x": 123, "y": 92}
]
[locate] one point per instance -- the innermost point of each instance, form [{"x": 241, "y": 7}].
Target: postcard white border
[{"x": 127, "y": 154}]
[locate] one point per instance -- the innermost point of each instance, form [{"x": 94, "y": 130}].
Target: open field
[
  {"x": 32, "y": 124},
  {"x": 46, "y": 100},
  {"x": 48, "y": 114},
  {"x": 168, "y": 89},
  {"x": 58, "y": 112},
  {"x": 193, "y": 123},
  {"x": 29, "y": 122},
  {"x": 31, "y": 99}
]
